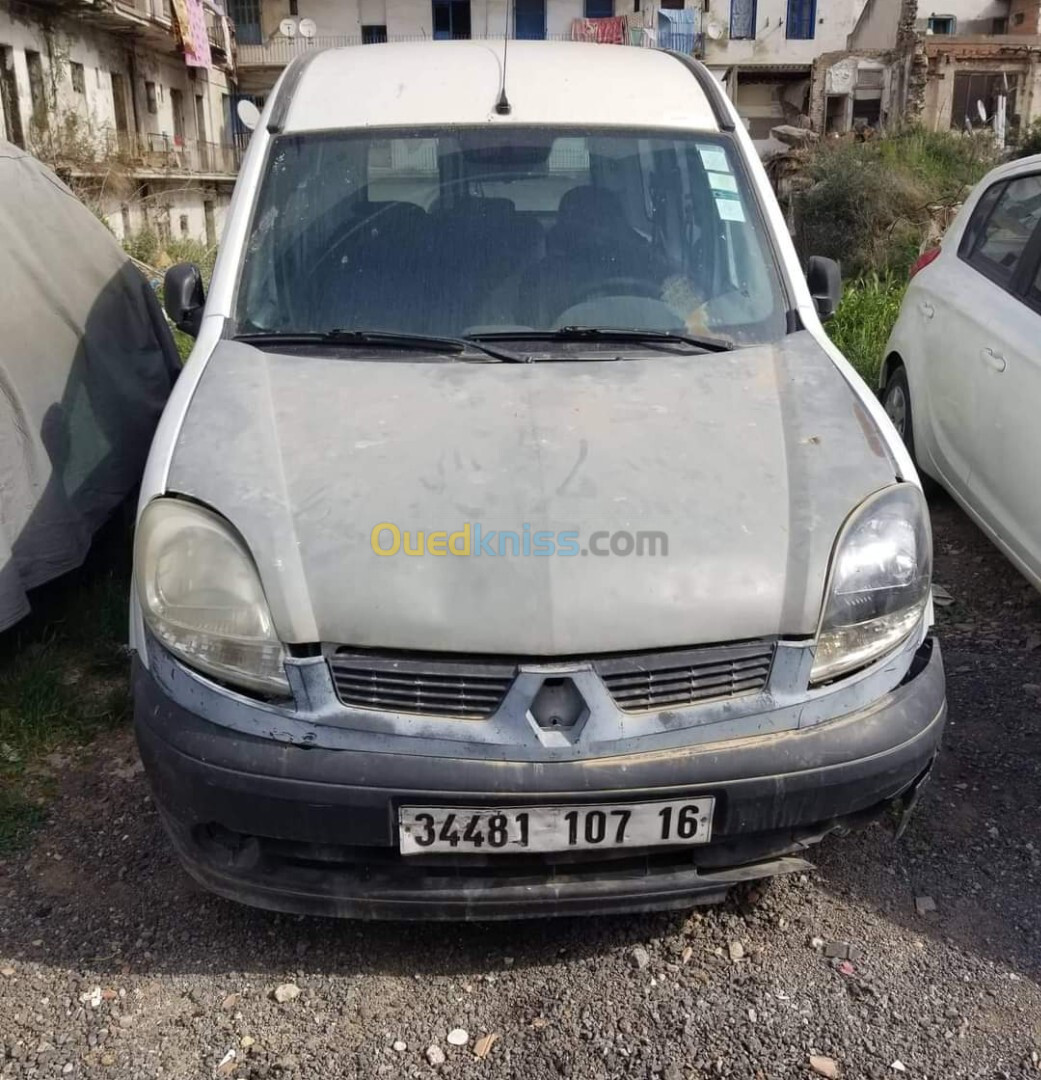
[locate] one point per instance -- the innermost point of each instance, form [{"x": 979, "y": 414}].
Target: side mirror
[
  {"x": 825, "y": 281},
  {"x": 184, "y": 297}
]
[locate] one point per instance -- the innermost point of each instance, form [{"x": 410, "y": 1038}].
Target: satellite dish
[
  {"x": 308, "y": 29},
  {"x": 981, "y": 111},
  {"x": 287, "y": 28},
  {"x": 714, "y": 30},
  {"x": 248, "y": 113}
]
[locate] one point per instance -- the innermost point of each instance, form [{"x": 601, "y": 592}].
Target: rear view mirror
[
  {"x": 184, "y": 297},
  {"x": 825, "y": 281}
]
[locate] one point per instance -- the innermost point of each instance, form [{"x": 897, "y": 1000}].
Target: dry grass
[{"x": 63, "y": 677}]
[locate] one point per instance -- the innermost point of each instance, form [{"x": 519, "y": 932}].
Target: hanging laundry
[
  {"x": 610, "y": 31},
  {"x": 634, "y": 28},
  {"x": 680, "y": 30}
]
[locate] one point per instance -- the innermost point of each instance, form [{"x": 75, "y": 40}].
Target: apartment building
[
  {"x": 764, "y": 51},
  {"x": 131, "y": 102}
]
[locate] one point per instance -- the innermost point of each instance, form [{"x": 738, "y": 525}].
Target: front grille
[
  {"x": 685, "y": 677},
  {"x": 471, "y": 689}
]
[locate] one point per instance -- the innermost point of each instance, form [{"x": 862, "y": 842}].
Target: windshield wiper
[
  {"x": 609, "y": 334},
  {"x": 390, "y": 339}
]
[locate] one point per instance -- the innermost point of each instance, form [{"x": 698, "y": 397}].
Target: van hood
[{"x": 748, "y": 462}]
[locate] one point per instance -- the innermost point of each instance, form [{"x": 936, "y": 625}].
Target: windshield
[{"x": 474, "y": 231}]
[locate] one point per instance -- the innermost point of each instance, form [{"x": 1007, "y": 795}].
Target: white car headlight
[
  {"x": 879, "y": 584},
  {"x": 201, "y": 596}
]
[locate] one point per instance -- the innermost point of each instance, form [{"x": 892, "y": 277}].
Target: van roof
[{"x": 457, "y": 82}]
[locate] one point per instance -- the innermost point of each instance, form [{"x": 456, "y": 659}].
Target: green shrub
[
  {"x": 869, "y": 204},
  {"x": 143, "y": 246},
  {"x": 191, "y": 251},
  {"x": 1029, "y": 141},
  {"x": 864, "y": 320}
]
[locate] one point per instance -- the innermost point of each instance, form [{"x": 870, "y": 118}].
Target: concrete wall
[
  {"x": 83, "y": 121},
  {"x": 168, "y": 206},
  {"x": 835, "y": 21},
  {"x": 100, "y": 55},
  {"x": 1024, "y": 17},
  {"x": 414, "y": 18},
  {"x": 877, "y": 28},
  {"x": 973, "y": 16}
]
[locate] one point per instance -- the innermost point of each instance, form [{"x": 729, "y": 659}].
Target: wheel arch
[{"x": 891, "y": 363}]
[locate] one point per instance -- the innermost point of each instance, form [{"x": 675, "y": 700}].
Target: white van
[{"x": 514, "y": 541}]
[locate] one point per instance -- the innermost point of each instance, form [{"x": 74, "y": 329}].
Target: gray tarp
[{"x": 86, "y": 364}]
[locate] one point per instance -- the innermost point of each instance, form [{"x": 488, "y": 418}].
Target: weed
[
  {"x": 143, "y": 246},
  {"x": 864, "y": 320},
  {"x": 63, "y": 675},
  {"x": 869, "y": 205}
]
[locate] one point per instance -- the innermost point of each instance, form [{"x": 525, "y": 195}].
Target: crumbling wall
[{"x": 914, "y": 65}]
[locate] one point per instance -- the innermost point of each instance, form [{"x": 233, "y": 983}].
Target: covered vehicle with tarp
[{"x": 86, "y": 365}]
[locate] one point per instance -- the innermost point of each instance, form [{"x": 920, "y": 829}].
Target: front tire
[{"x": 896, "y": 400}]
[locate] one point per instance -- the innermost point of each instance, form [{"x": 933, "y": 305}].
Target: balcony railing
[
  {"x": 161, "y": 13},
  {"x": 169, "y": 153},
  {"x": 152, "y": 153},
  {"x": 278, "y": 51}
]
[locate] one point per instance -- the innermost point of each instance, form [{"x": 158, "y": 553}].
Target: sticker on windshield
[
  {"x": 723, "y": 182},
  {"x": 714, "y": 159},
  {"x": 729, "y": 206}
]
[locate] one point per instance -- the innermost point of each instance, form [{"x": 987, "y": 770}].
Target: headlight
[
  {"x": 201, "y": 596},
  {"x": 879, "y": 584}
]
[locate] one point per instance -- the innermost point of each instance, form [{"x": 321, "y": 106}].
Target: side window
[{"x": 1001, "y": 227}]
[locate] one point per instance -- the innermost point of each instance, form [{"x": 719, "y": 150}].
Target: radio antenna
[{"x": 502, "y": 104}]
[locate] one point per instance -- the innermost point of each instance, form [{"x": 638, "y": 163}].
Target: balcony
[
  {"x": 277, "y": 51},
  {"x": 154, "y": 21},
  {"x": 148, "y": 155}
]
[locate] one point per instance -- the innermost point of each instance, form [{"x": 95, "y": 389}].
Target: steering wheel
[{"x": 619, "y": 286}]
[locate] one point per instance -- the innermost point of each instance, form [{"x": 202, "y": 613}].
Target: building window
[
  {"x": 802, "y": 15},
  {"x": 979, "y": 90},
  {"x": 245, "y": 14},
  {"x": 9, "y": 98},
  {"x": 151, "y": 102},
  {"x": 1019, "y": 18},
  {"x": 673, "y": 4},
  {"x": 373, "y": 35},
  {"x": 940, "y": 24},
  {"x": 184, "y": 224},
  {"x": 742, "y": 19},
  {"x": 999, "y": 25},
  {"x": 76, "y": 75},
  {"x": 599, "y": 9},
  {"x": 451, "y": 19},
  {"x": 294, "y": 7},
  {"x": 37, "y": 94}
]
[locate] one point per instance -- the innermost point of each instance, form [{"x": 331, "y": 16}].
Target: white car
[
  {"x": 459, "y": 335},
  {"x": 961, "y": 379}
]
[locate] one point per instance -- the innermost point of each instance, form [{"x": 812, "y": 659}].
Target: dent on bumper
[{"x": 313, "y": 830}]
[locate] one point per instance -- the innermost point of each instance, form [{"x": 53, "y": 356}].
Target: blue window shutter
[
  {"x": 802, "y": 17},
  {"x": 742, "y": 18}
]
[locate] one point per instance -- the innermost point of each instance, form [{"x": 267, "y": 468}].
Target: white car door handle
[
  {"x": 994, "y": 360},
  {"x": 927, "y": 309}
]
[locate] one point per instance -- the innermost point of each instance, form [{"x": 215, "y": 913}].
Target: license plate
[{"x": 512, "y": 830}]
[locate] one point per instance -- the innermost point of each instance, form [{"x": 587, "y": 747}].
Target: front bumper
[{"x": 312, "y": 829}]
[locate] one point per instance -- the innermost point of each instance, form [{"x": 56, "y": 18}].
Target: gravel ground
[{"x": 113, "y": 964}]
